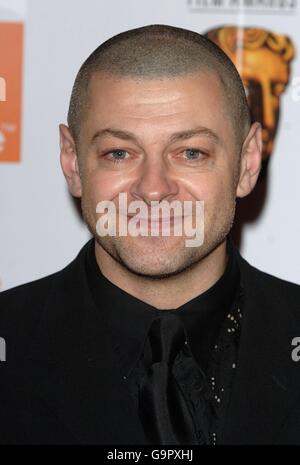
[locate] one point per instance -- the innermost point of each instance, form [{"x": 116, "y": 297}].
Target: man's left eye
[{"x": 193, "y": 154}]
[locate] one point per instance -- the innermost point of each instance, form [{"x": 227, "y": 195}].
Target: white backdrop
[{"x": 40, "y": 229}]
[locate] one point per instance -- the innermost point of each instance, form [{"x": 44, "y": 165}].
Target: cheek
[
  {"x": 211, "y": 187},
  {"x": 98, "y": 185},
  {"x": 218, "y": 195}
]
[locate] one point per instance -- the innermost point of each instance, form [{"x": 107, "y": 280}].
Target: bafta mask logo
[{"x": 262, "y": 59}]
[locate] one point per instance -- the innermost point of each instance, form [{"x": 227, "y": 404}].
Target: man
[{"x": 143, "y": 339}]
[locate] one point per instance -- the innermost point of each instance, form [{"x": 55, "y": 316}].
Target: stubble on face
[{"x": 162, "y": 257}]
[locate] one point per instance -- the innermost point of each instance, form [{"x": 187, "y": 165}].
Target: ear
[
  {"x": 69, "y": 161},
  {"x": 250, "y": 160}
]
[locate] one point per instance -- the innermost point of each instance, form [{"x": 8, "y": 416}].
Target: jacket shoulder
[
  {"x": 21, "y": 306},
  {"x": 275, "y": 289},
  {"x": 25, "y": 294}
]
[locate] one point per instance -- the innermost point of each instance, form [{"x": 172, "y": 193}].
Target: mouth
[{"x": 163, "y": 223}]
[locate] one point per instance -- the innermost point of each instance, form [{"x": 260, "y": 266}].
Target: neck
[{"x": 166, "y": 293}]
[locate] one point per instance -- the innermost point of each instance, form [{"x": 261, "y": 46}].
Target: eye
[
  {"x": 193, "y": 154},
  {"x": 117, "y": 155}
]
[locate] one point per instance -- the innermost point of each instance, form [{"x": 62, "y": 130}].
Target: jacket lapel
[
  {"x": 82, "y": 383},
  {"x": 265, "y": 388}
]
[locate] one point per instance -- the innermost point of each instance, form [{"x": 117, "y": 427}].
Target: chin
[
  {"x": 146, "y": 262},
  {"x": 154, "y": 273}
]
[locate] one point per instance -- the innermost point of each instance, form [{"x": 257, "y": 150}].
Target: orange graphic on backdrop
[{"x": 11, "y": 51}]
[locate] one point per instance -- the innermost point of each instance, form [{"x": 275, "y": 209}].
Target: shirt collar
[{"x": 129, "y": 318}]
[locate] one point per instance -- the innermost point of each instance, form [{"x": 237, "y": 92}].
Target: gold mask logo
[{"x": 262, "y": 59}]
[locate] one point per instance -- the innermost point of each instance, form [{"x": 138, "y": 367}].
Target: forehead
[
  {"x": 164, "y": 104},
  {"x": 127, "y": 90}
]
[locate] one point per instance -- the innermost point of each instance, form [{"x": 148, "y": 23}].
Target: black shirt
[{"x": 207, "y": 320}]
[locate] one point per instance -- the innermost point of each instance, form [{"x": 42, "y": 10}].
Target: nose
[{"x": 154, "y": 182}]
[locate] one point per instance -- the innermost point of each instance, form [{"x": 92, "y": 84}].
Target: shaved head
[{"x": 161, "y": 52}]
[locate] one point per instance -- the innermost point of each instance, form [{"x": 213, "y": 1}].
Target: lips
[
  {"x": 159, "y": 224},
  {"x": 160, "y": 220}
]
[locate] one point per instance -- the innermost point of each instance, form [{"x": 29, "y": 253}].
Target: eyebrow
[{"x": 177, "y": 136}]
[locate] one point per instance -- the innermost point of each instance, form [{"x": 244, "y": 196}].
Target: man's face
[{"x": 143, "y": 119}]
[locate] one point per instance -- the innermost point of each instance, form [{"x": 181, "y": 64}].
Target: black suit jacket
[{"x": 61, "y": 382}]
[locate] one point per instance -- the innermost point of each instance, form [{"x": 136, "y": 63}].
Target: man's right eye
[{"x": 117, "y": 155}]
